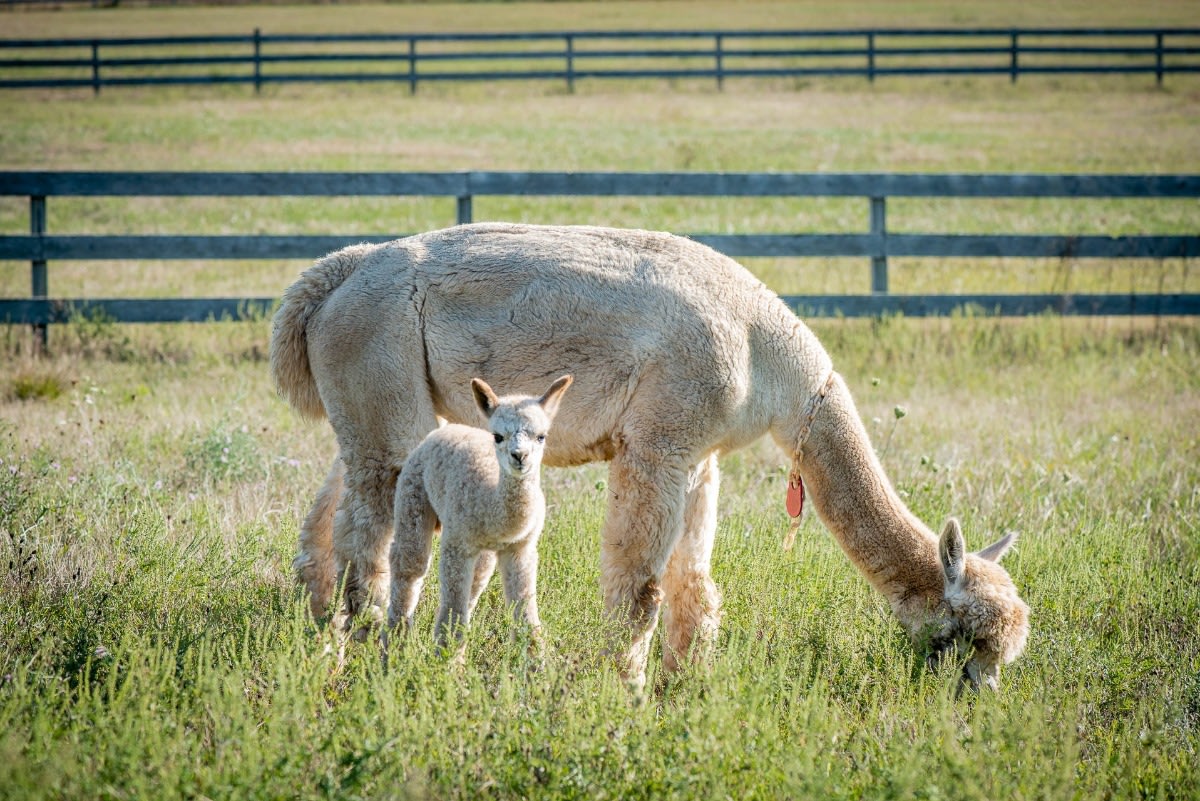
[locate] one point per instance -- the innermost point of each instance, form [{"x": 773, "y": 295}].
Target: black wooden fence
[
  {"x": 414, "y": 58},
  {"x": 875, "y": 243}
]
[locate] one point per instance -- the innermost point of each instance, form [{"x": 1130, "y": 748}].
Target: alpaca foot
[
  {"x": 535, "y": 648},
  {"x": 366, "y": 624}
]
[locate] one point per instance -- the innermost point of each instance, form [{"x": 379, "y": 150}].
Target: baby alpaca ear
[
  {"x": 952, "y": 550},
  {"x": 485, "y": 399},
  {"x": 549, "y": 401}
]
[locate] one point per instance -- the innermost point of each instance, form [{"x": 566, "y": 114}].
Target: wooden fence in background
[
  {"x": 414, "y": 58},
  {"x": 875, "y": 243}
]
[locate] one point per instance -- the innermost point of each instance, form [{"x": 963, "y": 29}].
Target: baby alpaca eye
[
  {"x": 541, "y": 438},
  {"x": 499, "y": 438}
]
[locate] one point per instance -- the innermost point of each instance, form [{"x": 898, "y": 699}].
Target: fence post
[
  {"x": 871, "y": 57},
  {"x": 1158, "y": 57},
  {"x": 257, "y": 60},
  {"x": 412, "y": 65},
  {"x": 720, "y": 62},
  {"x": 570, "y": 42},
  {"x": 1012, "y": 64},
  {"x": 879, "y": 265},
  {"x": 95, "y": 67},
  {"x": 39, "y": 280},
  {"x": 464, "y": 209}
]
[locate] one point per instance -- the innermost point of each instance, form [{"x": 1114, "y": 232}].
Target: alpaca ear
[
  {"x": 485, "y": 399},
  {"x": 997, "y": 549},
  {"x": 550, "y": 400},
  {"x": 952, "y": 549}
]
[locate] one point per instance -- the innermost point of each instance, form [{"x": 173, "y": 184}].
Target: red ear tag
[{"x": 795, "y": 496}]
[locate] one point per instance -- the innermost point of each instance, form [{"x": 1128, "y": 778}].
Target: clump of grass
[
  {"x": 225, "y": 452},
  {"x": 35, "y": 385},
  {"x": 93, "y": 333}
]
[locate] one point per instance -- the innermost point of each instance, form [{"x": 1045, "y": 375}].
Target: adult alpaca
[{"x": 679, "y": 354}]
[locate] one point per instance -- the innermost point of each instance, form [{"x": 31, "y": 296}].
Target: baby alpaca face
[
  {"x": 520, "y": 435},
  {"x": 519, "y": 425}
]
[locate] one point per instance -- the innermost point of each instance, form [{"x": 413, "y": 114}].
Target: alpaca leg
[
  {"x": 485, "y": 566},
  {"x": 518, "y": 566},
  {"x": 691, "y": 612},
  {"x": 362, "y": 536},
  {"x": 457, "y": 575},
  {"x": 314, "y": 565},
  {"x": 644, "y": 521},
  {"x": 412, "y": 549}
]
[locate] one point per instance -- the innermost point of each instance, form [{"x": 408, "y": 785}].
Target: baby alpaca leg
[
  {"x": 691, "y": 612},
  {"x": 518, "y": 566},
  {"x": 485, "y": 566},
  {"x": 457, "y": 574}
]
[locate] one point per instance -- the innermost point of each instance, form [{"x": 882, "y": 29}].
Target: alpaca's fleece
[
  {"x": 679, "y": 355},
  {"x": 989, "y": 609}
]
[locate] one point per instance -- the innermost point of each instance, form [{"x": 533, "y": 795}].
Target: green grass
[
  {"x": 151, "y": 484},
  {"x": 156, "y": 645}
]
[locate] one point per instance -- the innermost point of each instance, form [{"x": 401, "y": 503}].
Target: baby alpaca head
[
  {"x": 985, "y": 616},
  {"x": 519, "y": 424}
]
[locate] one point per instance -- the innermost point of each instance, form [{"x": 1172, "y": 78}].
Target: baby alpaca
[{"x": 483, "y": 489}]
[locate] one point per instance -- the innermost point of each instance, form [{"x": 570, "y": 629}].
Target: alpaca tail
[{"x": 290, "y": 366}]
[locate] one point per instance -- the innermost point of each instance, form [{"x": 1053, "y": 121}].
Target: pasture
[{"x": 154, "y": 643}]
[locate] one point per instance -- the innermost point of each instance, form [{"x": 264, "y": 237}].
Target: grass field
[{"x": 151, "y": 484}]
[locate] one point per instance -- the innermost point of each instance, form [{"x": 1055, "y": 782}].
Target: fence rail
[
  {"x": 875, "y": 242},
  {"x": 413, "y": 58}
]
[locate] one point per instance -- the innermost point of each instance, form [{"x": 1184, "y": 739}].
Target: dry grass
[{"x": 673, "y": 14}]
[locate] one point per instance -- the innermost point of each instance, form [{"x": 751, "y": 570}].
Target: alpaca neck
[
  {"x": 853, "y": 496},
  {"x": 519, "y": 494}
]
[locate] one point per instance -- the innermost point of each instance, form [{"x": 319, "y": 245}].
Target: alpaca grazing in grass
[
  {"x": 484, "y": 490},
  {"x": 679, "y": 354}
]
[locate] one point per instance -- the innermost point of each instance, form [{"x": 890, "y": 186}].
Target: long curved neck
[{"x": 852, "y": 494}]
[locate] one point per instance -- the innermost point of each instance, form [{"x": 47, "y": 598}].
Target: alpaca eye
[
  {"x": 499, "y": 438},
  {"x": 541, "y": 438}
]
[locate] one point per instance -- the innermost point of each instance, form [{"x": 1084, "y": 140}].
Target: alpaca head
[
  {"x": 984, "y": 615},
  {"x": 519, "y": 424}
]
